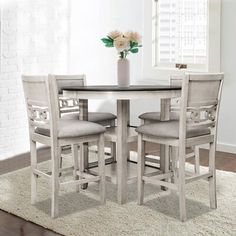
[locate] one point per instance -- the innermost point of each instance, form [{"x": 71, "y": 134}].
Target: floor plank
[{"x": 11, "y": 225}]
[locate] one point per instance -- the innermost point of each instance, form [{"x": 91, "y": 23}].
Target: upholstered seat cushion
[
  {"x": 169, "y": 129},
  {"x": 155, "y": 116},
  {"x": 92, "y": 116},
  {"x": 74, "y": 128}
]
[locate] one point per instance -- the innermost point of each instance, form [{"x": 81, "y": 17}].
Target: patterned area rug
[{"x": 82, "y": 214}]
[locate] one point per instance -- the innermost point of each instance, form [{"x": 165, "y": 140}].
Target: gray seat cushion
[
  {"x": 74, "y": 128},
  {"x": 92, "y": 116},
  {"x": 155, "y": 116},
  {"x": 169, "y": 129}
]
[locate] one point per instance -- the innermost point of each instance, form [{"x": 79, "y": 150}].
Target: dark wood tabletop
[{"x": 117, "y": 88}]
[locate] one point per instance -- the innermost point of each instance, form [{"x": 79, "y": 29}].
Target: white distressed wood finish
[
  {"x": 164, "y": 149},
  {"x": 167, "y": 106},
  {"x": 141, "y": 165},
  {"x": 199, "y": 91},
  {"x": 33, "y": 154},
  {"x": 121, "y": 134},
  {"x": 122, "y": 149},
  {"x": 101, "y": 166},
  {"x": 41, "y": 95},
  {"x": 111, "y": 172},
  {"x": 69, "y": 105},
  {"x": 75, "y": 152},
  {"x": 122, "y": 95}
]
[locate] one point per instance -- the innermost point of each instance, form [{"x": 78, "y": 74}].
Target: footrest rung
[
  {"x": 84, "y": 175},
  {"x": 81, "y": 181},
  {"x": 197, "y": 177},
  {"x": 155, "y": 181},
  {"x": 41, "y": 173}
]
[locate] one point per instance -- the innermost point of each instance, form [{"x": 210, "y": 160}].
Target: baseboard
[
  {"x": 222, "y": 147},
  {"x": 225, "y": 147}
]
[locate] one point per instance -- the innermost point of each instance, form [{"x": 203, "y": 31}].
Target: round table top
[{"x": 114, "y": 88}]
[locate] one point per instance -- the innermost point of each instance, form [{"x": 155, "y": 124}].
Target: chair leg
[
  {"x": 84, "y": 158},
  {"x": 113, "y": 144},
  {"x": 174, "y": 154},
  {"x": 113, "y": 151},
  {"x": 60, "y": 163},
  {"x": 101, "y": 166},
  {"x": 55, "y": 153},
  {"x": 141, "y": 164},
  {"x": 181, "y": 183},
  {"x": 33, "y": 157},
  {"x": 74, "y": 149},
  {"x": 197, "y": 160},
  {"x": 212, "y": 180}
]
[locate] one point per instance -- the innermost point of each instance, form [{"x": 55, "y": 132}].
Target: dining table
[{"x": 124, "y": 132}]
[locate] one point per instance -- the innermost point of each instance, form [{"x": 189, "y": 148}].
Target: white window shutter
[{"x": 180, "y": 35}]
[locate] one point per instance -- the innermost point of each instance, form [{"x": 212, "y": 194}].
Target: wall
[
  {"x": 89, "y": 56},
  {"x": 227, "y": 128},
  {"x": 227, "y": 118},
  {"x": 92, "y": 20},
  {"x": 25, "y": 27},
  {"x": 33, "y": 41}
]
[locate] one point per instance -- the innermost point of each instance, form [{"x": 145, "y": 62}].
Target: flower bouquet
[{"x": 125, "y": 43}]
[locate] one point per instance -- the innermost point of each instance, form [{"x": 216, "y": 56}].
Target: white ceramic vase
[{"x": 123, "y": 72}]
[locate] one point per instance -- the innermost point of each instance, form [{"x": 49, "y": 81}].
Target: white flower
[
  {"x": 114, "y": 34},
  {"x": 133, "y": 36},
  {"x": 121, "y": 43}
]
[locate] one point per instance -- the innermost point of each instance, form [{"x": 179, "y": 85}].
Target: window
[{"x": 180, "y": 34}]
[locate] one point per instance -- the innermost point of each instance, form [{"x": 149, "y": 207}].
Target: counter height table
[{"x": 124, "y": 133}]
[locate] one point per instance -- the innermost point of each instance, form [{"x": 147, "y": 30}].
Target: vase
[{"x": 123, "y": 72}]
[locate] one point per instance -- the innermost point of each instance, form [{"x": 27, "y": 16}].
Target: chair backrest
[
  {"x": 68, "y": 105},
  {"x": 64, "y": 81},
  {"x": 41, "y": 99},
  {"x": 175, "y": 80},
  {"x": 200, "y": 100}
]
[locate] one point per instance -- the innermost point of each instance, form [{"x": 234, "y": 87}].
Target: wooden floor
[{"x": 11, "y": 225}]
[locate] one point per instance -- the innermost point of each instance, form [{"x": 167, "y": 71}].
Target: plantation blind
[{"x": 180, "y": 33}]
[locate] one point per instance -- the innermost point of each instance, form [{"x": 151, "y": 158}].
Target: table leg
[
  {"x": 122, "y": 149},
  {"x": 83, "y": 115},
  {"x": 164, "y": 149}
]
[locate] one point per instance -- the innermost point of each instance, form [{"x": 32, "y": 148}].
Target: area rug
[{"x": 82, "y": 214}]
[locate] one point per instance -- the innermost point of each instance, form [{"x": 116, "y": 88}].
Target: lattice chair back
[
  {"x": 201, "y": 94},
  {"x": 69, "y": 104},
  {"x": 42, "y": 102}
]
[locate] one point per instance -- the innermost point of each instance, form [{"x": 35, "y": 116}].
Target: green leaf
[
  {"x": 107, "y": 41},
  {"x": 134, "y": 50},
  {"x": 133, "y": 44},
  {"x": 109, "y": 45}
]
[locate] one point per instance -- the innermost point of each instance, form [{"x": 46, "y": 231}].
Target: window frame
[{"x": 151, "y": 72}]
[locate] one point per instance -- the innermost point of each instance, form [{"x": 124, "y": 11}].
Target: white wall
[
  {"x": 227, "y": 128},
  {"x": 89, "y": 55},
  {"x": 23, "y": 51},
  {"x": 33, "y": 41},
  {"x": 90, "y": 21}
]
